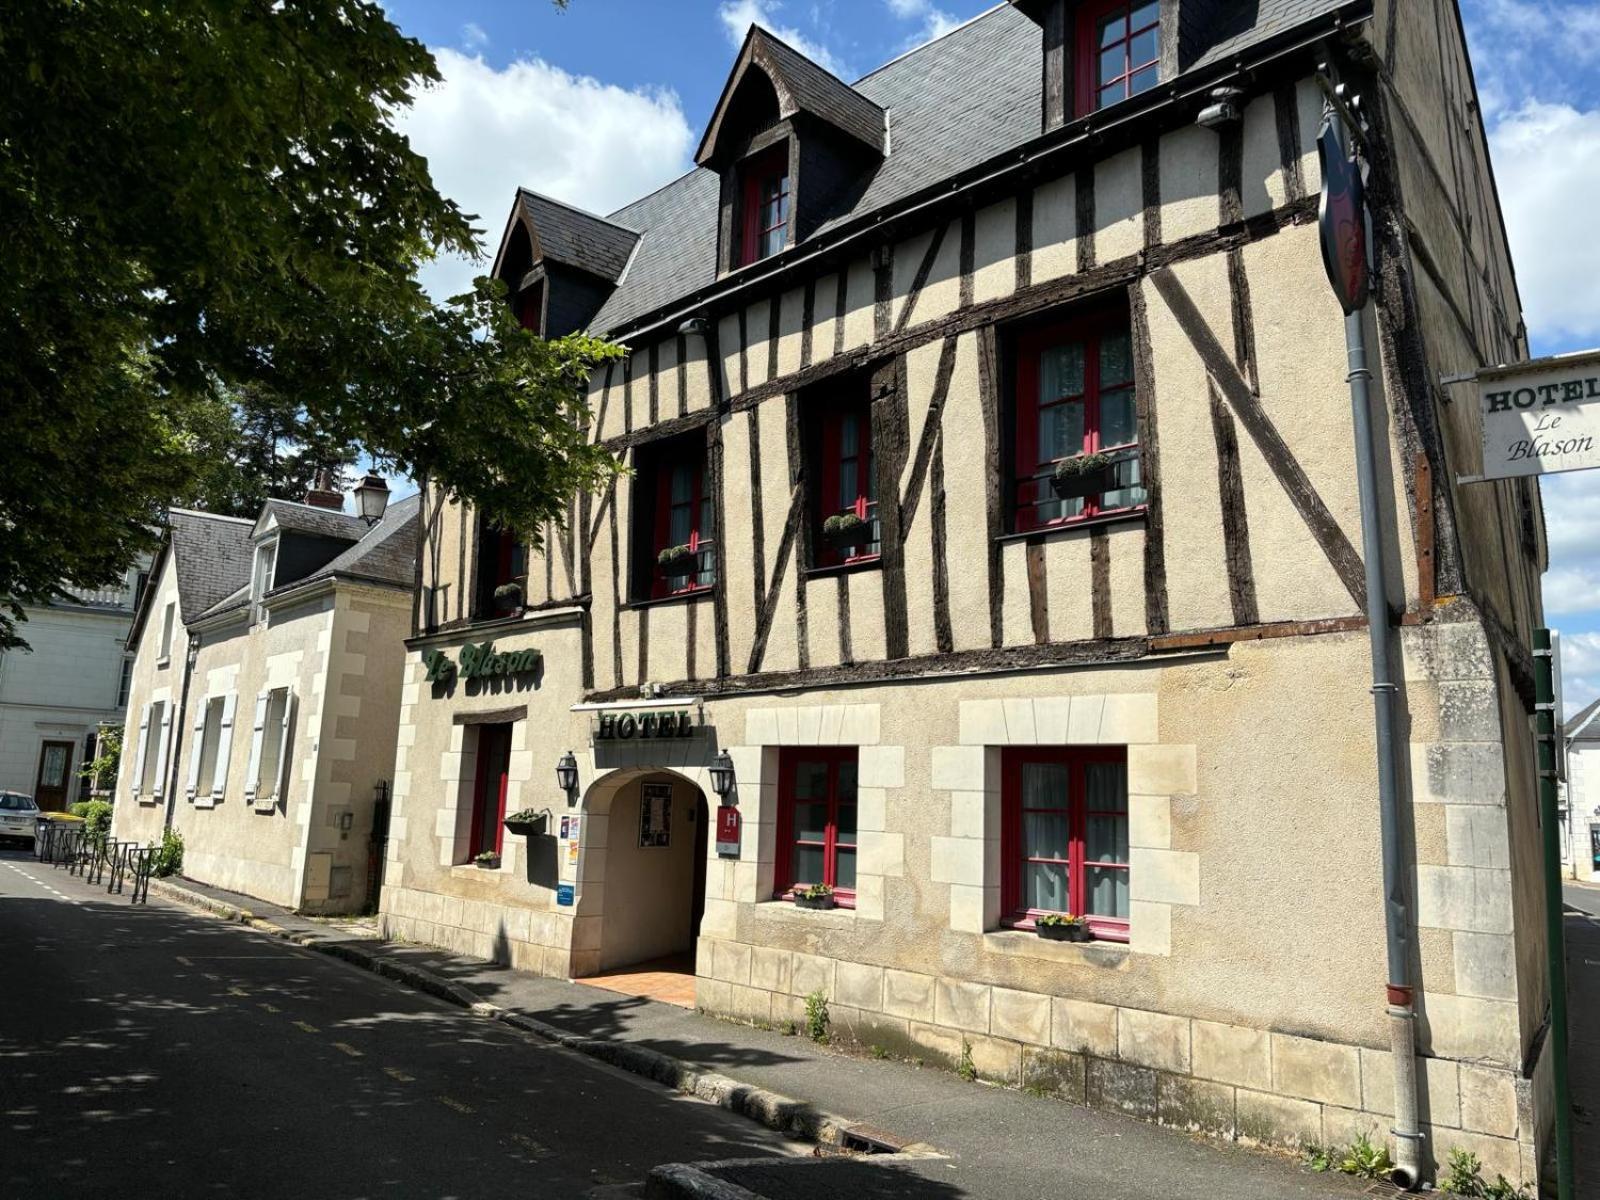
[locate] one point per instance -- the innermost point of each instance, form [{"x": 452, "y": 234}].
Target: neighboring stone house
[
  {"x": 265, "y": 698},
  {"x": 866, "y": 333},
  {"x": 69, "y": 685},
  {"x": 1580, "y": 794}
]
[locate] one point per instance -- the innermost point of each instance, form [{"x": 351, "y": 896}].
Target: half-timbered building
[{"x": 991, "y": 503}]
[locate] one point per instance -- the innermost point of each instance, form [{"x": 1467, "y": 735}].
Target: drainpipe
[
  {"x": 1545, "y": 731},
  {"x": 1397, "y": 918},
  {"x": 181, "y": 719}
]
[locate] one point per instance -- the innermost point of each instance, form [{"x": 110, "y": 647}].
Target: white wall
[{"x": 1582, "y": 794}]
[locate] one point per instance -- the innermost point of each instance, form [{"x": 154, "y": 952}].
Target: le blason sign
[
  {"x": 1542, "y": 416},
  {"x": 479, "y": 662}
]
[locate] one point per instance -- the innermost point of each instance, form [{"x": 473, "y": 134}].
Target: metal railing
[{"x": 97, "y": 860}]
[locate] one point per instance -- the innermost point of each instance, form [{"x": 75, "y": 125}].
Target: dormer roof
[
  {"x": 563, "y": 234},
  {"x": 802, "y": 87}
]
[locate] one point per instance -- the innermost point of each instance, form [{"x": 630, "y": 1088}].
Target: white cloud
[
  {"x": 1516, "y": 43},
  {"x": 738, "y": 15},
  {"x": 1546, "y": 157},
  {"x": 473, "y": 37},
  {"x": 485, "y": 131},
  {"x": 934, "y": 21},
  {"x": 1580, "y": 670}
]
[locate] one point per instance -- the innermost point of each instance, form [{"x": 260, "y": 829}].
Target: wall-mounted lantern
[
  {"x": 567, "y": 773},
  {"x": 722, "y": 774}
]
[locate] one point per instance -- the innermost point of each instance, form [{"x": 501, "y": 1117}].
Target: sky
[{"x": 602, "y": 103}]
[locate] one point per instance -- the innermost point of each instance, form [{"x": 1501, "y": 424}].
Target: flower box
[
  {"x": 1086, "y": 475},
  {"x": 526, "y": 824},
  {"x": 847, "y": 532},
  {"x": 818, "y": 895},
  {"x": 677, "y": 562},
  {"x": 1065, "y": 931}
]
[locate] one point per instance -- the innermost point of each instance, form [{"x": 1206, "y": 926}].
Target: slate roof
[
  {"x": 803, "y": 86},
  {"x": 212, "y": 554},
  {"x": 953, "y": 104},
  {"x": 309, "y": 519},
  {"x": 578, "y": 239},
  {"x": 386, "y": 554},
  {"x": 1584, "y": 727}
]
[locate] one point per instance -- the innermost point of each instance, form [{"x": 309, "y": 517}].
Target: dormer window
[
  {"x": 1119, "y": 51},
  {"x": 262, "y": 578},
  {"x": 766, "y": 204}
]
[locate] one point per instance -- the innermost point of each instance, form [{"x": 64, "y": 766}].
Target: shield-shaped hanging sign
[{"x": 1342, "y": 219}]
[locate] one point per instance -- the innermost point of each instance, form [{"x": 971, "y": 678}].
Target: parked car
[{"x": 18, "y": 816}]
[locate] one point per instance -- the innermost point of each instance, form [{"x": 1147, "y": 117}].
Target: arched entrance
[{"x": 645, "y": 841}]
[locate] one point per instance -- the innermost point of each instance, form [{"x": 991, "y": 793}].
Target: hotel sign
[
  {"x": 482, "y": 661},
  {"x": 1541, "y": 417},
  {"x": 643, "y": 726}
]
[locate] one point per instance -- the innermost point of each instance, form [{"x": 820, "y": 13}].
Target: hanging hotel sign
[
  {"x": 480, "y": 662},
  {"x": 1342, "y": 217},
  {"x": 1541, "y": 417},
  {"x": 644, "y": 726}
]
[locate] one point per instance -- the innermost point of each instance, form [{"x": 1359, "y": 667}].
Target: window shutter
[
  {"x": 199, "y": 746},
  {"x": 283, "y": 746},
  {"x": 163, "y": 745},
  {"x": 251, "y": 770},
  {"x": 219, "y": 772},
  {"x": 136, "y": 775}
]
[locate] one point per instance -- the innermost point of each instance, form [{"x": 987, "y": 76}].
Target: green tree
[{"x": 207, "y": 199}]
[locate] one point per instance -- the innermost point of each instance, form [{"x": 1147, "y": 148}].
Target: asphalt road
[{"x": 148, "y": 1051}]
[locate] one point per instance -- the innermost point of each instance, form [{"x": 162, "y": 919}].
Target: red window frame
[
  {"x": 766, "y": 203},
  {"x": 502, "y": 559},
  {"x": 789, "y": 759},
  {"x": 1015, "y": 912},
  {"x": 1095, "y": 93},
  {"x": 530, "y": 308},
  {"x": 490, "y": 781},
  {"x": 700, "y": 542},
  {"x": 832, "y": 458},
  {"x": 1032, "y": 470}
]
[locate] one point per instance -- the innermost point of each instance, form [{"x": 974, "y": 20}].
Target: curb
[{"x": 778, "y": 1112}]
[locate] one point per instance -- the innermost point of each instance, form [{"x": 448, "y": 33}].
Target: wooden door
[{"x": 50, "y": 789}]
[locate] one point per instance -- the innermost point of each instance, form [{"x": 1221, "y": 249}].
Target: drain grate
[{"x": 865, "y": 1139}]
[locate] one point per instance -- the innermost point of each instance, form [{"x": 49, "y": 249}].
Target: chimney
[{"x": 323, "y": 494}]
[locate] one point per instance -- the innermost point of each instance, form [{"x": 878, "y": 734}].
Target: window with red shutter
[
  {"x": 765, "y": 204},
  {"x": 817, "y": 820},
  {"x": 673, "y": 507},
  {"x": 502, "y": 559},
  {"x": 841, "y": 444},
  {"x": 1118, "y": 51},
  {"x": 1064, "y": 836},
  {"x": 491, "y": 778},
  {"x": 1075, "y": 396}
]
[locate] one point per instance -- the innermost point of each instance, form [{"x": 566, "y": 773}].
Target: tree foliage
[{"x": 207, "y": 199}]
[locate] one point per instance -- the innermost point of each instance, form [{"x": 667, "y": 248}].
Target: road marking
[
  {"x": 269, "y": 1007},
  {"x": 451, "y": 1102},
  {"x": 307, "y": 1026},
  {"x": 183, "y": 960},
  {"x": 236, "y": 990},
  {"x": 348, "y": 1049},
  {"x": 396, "y": 1074}
]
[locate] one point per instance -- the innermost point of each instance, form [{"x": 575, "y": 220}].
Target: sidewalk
[{"x": 992, "y": 1143}]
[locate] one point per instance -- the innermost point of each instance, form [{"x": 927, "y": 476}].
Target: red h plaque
[{"x": 727, "y": 831}]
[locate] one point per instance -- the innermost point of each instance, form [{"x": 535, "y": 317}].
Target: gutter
[{"x": 1042, "y": 153}]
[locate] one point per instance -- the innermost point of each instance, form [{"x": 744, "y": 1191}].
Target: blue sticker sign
[{"x": 564, "y": 895}]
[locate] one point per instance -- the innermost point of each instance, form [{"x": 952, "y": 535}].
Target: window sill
[
  {"x": 163, "y": 662},
  {"x": 474, "y": 871},
  {"x": 787, "y": 910},
  {"x": 1047, "y": 531},
  {"x": 699, "y": 594},
  {"x": 1018, "y": 943},
  {"x": 849, "y": 568}
]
